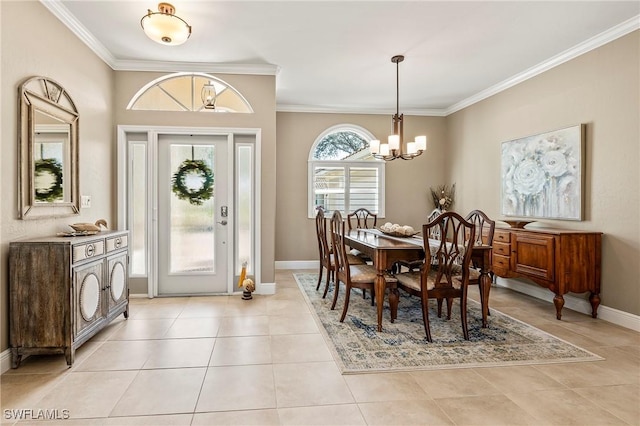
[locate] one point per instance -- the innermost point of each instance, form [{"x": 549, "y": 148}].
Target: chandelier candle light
[
  {"x": 394, "y": 147},
  {"x": 164, "y": 26}
]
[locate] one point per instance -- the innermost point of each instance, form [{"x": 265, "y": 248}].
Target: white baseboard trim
[
  {"x": 5, "y": 361},
  {"x": 297, "y": 264},
  {"x": 266, "y": 288},
  {"x": 621, "y": 318}
]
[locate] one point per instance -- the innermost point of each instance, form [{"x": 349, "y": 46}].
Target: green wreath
[
  {"x": 196, "y": 196},
  {"x": 54, "y": 192}
]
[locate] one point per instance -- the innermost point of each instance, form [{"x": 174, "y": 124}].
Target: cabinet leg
[
  {"x": 69, "y": 355},
  {"x": 126, "y": 313},
  {"x": 594, "y": 298},
  {"x": 16, "y": 358},
  {"x": 559, "y": 302}
]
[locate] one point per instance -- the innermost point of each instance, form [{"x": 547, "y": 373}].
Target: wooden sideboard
[
  {"x": 63, "y": 290},
  {"x": 562, "y": 261}
]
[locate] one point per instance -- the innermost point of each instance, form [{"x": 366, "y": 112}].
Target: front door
[{"x": 193, "y": 214}]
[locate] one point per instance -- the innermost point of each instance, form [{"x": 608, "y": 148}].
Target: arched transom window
[
  {"x": 342, "y": 173},
  {"x": 184, "y": 92}
]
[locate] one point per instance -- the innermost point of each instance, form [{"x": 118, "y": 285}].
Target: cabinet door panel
[
  {"x": 533, "y": 255},
  {"x": 118, "y": 286},
  {"x": 88, "y": 296}
]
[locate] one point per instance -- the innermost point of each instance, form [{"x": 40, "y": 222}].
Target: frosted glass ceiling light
[{"x": 164, "y": 26}]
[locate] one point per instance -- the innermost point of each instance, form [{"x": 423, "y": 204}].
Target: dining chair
[
  {"x": 434, "y": 235},
  {"x": 448, "y": 279},
  {"x": 485, "y": 229},
  {"x": 326, "y": 253},
  {"x": 364, "y": 219},
  {"x": 361, "y": 276}
]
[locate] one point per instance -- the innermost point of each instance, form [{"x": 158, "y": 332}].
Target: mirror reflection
[{"x": 51, "y": 159}]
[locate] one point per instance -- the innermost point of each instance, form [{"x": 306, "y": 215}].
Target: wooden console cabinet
[
  {"x": 562, "y": 261},
  {"x": 63, "y": 290}
]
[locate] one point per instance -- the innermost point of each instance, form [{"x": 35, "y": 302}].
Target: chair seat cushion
[
  {"x": 353, "y": 260},
  {"x": 412, "y": 280},
  {"x": 367, "y": 274}
]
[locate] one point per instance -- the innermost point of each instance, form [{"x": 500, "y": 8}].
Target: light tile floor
[{"x": 222, "y": 360}]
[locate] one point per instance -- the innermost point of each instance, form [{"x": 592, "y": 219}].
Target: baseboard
[
  {"x": 297, "y": 264},
  {"x": 5, "y": 361},
  {"x": 266, "y": 288},
  {"x": 615, "y": 316}
]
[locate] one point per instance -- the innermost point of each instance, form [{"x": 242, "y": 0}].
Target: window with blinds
[{"x": 343, "y": 175}]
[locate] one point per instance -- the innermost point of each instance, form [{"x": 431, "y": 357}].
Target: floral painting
[{"x": 542, "y": 175}]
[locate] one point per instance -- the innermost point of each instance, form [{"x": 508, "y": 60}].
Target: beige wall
[
  {"x": 52, "y": 51},
  {"x": 599, "y": 89},
  {"x": 260, "y": 93},
  {"x": 408, "y": 200}
]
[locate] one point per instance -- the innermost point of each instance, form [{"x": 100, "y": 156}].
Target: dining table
[{"x": 385, "y": 250}]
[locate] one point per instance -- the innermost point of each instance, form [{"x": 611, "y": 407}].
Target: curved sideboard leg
[
  {"x": 559, "y": 302},
  {"x": 594, "y": 298}
]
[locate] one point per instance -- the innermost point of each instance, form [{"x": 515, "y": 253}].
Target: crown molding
[
  {"x": 62, "y": 13},
  {"x": 209, "y": 67},
  {"x": 599, "y": 40},
  {"x": 356, "y": 110}
]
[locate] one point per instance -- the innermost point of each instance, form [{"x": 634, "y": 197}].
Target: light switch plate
[{"x": 85, "y": 201}]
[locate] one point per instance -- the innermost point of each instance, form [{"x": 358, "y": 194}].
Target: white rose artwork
[{"x": 542, "y": 175}]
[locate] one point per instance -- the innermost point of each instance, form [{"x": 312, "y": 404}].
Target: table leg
[{"x": 380, "y": 285}]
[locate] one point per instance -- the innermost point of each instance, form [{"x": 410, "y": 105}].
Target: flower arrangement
[{"x": 443, "y": 196}]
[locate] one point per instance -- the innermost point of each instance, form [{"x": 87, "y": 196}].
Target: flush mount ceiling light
[
  {"x": 394, "y": 147},
  {"x": 164, "y": 26}
]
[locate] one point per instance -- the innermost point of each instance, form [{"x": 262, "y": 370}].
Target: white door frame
[{"x": 152, "y": 198}]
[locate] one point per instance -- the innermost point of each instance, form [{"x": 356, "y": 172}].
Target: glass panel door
[{"x": 193, "y": 214}]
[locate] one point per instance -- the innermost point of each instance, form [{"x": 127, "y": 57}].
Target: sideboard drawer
[
  {"x": 502, "y": 249},
  {"x": 502, "y": 236},
  {"x": 117, "y": 243},
  {"x": 501, "y": 261},
  {"x": 87, "y": 250}
]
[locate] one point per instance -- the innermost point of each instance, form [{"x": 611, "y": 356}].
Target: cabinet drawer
[
  {"x": 117, "y": 243},
  {"x": 502, "y": 249},
  {"x": 88, "y": 250},
  {"x": 502, "y": 236},
  {"x": 501, "y": 261}
]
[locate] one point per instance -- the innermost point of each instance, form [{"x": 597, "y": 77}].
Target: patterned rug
[{"x": 358, "y": 347}]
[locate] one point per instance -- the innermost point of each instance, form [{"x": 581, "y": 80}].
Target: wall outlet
[{"x": 85, "y": 201}]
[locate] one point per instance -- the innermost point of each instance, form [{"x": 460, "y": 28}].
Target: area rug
[{"x": 358, "y": 347}]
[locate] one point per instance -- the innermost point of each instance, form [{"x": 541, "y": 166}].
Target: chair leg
[
  {"x": 346, "y": 303},
  {"x": 320, "y": 276},
  {"x": 336, "y": 287},
  {"x": 463, "y": 316},
  {"x": 439, "y": 307},
  {"x": 425, "y": 317},
  {"x": 449, "y": 306},
  {"x": 326, "y": 285}
]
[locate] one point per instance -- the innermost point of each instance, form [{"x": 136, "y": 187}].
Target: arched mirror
[{"x": 48, "y": 150}]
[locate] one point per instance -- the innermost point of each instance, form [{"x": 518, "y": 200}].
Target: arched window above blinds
[
  {"x": 343, "y": 175},
  {"x": 182, "y": 92}
]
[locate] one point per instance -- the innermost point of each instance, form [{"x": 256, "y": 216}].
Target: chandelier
[
  {"x": 164, "y": 26},
  {"x": 394, "y": 147}
]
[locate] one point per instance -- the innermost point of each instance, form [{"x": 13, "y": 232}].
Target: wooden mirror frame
[{"x": 41, "y": 95}]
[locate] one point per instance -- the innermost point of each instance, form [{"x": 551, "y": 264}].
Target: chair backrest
[
  {"x": 339, "y": 247},
  {"x": 364, "y": 219},
  {"x": 435, "y": 231},
  {"x": 452, "y": 254},
  {"x": 484, "y": 226},
  {"x": 321, "y": 233}
]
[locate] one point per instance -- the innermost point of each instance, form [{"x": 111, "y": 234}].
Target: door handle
[{"x": 223, "y": 222}]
